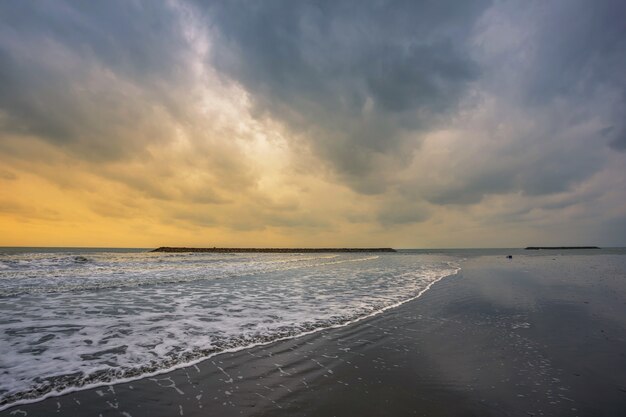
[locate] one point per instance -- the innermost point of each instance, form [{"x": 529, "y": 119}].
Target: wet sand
[{"x": 531, "y": 336}]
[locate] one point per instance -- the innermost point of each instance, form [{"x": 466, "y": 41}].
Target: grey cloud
[
  {"x": 619, "y": 141},
  {"x": 354, "y": 78},
  {"x": 363, "y": 83},
  {"x": 557, "y": 83},
  {"x": 138, "y": 39},
  {"x": 107, "y": 86},
  {"x": 578, "y": 47},
  {"x": 512, "y": 171},
  {"x": 578, "y": 54},
  {"x": 257, "y": 218},
  {"x": 428, "y": 76},
  {"x": 69, "y": 72},
  {"x": 572, "y": 199},
  {"x": 402, "y": 213},
  {"x": 469, "y": 189},
  {"x": 617, "y": 137}
]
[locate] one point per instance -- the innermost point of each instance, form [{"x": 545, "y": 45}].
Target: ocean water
[{"x": 77, "y": 318}]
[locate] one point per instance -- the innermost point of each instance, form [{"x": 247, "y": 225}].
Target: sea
[{"x": 76, "y": 318}]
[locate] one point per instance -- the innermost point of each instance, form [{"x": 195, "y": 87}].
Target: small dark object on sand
[{"x": 509, "y": 257}]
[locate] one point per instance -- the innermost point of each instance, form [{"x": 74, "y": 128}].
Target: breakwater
[{"x": 271, "y": 250}]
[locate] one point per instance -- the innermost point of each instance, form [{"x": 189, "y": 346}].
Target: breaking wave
[{"x": 80, "y": 320}]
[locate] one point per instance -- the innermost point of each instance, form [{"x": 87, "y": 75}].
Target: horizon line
[{"x": 302, "y": 247}]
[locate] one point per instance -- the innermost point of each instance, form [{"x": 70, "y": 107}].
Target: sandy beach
[{"x": 531, "y": 336}]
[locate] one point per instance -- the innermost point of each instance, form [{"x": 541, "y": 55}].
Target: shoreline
[{"x": 183, "y": 365}]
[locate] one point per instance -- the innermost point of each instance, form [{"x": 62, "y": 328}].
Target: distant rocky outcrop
[
  {"x": 560, "y": 247},
  {"x": 271, "y": 250}
]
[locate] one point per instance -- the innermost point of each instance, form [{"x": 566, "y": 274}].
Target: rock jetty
[
  {"x": 271, "y": 250},
  {"x": 560, "y": 247}
]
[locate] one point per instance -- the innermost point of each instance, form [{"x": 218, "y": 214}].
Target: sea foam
[{"x": 83, "y": 319}]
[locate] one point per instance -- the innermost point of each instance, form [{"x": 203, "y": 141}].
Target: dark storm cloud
[
  {"x": 534, "y": 172},
  {"x": 364, "y": 82},
  {"x": 137, "y": 39},
  {"x": 361, "y": 82},
  {"x": 355, "y": 77},
  {"x": 68, "y": 70},
  {"x": 578, "y": 47},
  {"x": 619, "y": 140},
  {"x": 580, "y": 51},
  {"x": 557, "y": 81}
]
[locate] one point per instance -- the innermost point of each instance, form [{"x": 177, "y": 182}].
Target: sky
[{"x": 409, "y": 124}]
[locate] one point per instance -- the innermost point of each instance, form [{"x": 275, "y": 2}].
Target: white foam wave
[
  {"x": 62, "y": 341},
  {"x": 41, "y": 276}
]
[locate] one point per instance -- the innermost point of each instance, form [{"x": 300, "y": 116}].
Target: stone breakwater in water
[
  {"x": 560, "y": 247},
  {"x": 272, "y": 250}
]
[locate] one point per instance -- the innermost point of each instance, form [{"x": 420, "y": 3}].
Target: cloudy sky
[{"x": 323, "y": 123}]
